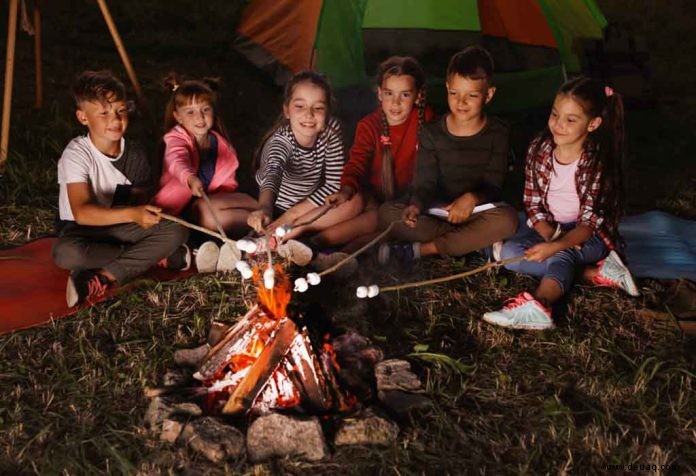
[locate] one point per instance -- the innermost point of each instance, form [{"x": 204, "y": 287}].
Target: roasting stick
[
  {"x": 214, "y": 214},
  {"x": 373, "y": 290},
  {"x": 302, "y": 284},
  {"x": 372, "y": 242},
  {"x": 283, "y": 230},
  {"x": 181, "y": 222}
]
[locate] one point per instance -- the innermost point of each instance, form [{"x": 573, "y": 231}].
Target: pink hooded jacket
[{"x": 181, "y": 160}]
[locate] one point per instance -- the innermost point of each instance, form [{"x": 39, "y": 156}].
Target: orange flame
[{"x": 274, "y": 300}]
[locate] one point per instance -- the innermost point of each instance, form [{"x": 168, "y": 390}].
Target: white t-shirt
[
  {"x": 562, "y": 197},
  {"x": 82, "y": 162}
]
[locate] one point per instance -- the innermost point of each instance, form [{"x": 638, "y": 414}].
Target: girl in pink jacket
[{"x": 198, "y": 159}]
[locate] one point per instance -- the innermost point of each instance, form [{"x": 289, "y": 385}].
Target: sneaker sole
[
  {"x": 207, "y": 257},
  {"x": 631, "y": 287},
  {"x": 227, "y": 258},
  {"x": 531, "y": 327},
  {"x": 71, "y": 296},
  {"x": 296, "y": 252}
]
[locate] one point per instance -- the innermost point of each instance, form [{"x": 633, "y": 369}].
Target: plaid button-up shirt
[{"x": 588, "y": 184}]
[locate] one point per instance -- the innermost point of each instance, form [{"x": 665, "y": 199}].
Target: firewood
[{"x": 256, "y": 378}]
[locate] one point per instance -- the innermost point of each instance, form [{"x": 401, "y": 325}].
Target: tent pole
[
  {"x": 121, "y": 49},
  {"x": 37, "y": 54},
  {"x": 9, "y": 74}
]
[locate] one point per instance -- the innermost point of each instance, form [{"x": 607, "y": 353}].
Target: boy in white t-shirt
[{"x": 107, "y": 234}]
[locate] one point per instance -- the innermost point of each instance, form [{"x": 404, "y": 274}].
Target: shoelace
[
  {"x": 517, "y": 301},
  {"x": 95, "y": 287},
  {"x": 604, "y": 281}
]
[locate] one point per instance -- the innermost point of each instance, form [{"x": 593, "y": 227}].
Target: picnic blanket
[
  {"x": 660, "y": 245},
  {"x": 32, "y": 288}
]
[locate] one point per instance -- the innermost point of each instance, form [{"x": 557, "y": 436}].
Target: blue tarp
[{"x": 659, "y": 245}]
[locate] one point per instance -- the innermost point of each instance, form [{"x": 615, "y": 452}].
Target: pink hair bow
[{"x": 385, "y": 140}]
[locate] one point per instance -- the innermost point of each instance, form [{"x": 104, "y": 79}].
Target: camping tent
[{"x": 533, "y": 42}]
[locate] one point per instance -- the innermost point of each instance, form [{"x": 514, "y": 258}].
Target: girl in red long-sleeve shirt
[{"x": 383, "y": 156}]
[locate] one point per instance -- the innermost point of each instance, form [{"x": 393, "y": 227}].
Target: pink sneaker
[
  {"x": 614, "y": 274},
  {"x": 521, "y": 312}
]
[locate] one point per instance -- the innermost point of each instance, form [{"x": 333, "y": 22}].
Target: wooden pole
[
  {"x": 9, "y": 75},
  {"x": 37, "y": 54},
  {"x": 121, "y": 49}
]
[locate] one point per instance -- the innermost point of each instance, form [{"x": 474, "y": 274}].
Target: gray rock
[
  {"x": 281, "y": 435},
  {"x": 403, "y": 403},
  {"x": 161, "y": 409},
  {"x": 213, "y": 439},
  {"x": 171, "y": 429},
  {"x": 395, "y": 374},
  {"x": 366, "y": 429},
  {"x": 191, "y": 357},
  {"x": 217, "y": 332},
  {"x": 177, "y": 378}
]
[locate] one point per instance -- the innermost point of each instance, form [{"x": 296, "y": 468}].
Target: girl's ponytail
[{"x": 612, "y": 140}]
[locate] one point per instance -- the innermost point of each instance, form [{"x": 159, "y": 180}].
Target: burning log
[{"x": 260, "y": 371}]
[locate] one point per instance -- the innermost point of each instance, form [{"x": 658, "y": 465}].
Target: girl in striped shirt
[{"x": 301, "y": 162}]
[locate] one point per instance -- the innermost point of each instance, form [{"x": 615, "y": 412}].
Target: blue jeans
[{"x": 560, "y": 267}]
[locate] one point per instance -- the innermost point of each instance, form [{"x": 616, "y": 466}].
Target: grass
[{"x": 606, "y": 387}]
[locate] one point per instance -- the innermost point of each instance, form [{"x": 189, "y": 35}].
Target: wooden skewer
[
  {"x": 356, "y": 253},
  {"x": 9, "y": 75},
  {"x": 491, "y": 265},
  {"x": 326, "y": 208},
  {"x": 214, "y": 214},
  {"x": 195, "y": 227}
]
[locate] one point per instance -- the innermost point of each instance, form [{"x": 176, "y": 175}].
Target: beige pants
[{"x": 478, "y": 231}]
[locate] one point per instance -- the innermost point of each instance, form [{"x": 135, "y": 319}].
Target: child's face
[
  {"x": 306, "y": 110},
  {"x": 196, "y": 117},
  {"x": 107, "y": 121},
  {"x": 466, "y": 97},
  {"x": 397, "y": 95},
  {"x": 569, "y": 123}
]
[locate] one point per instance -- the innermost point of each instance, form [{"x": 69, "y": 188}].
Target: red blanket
[{"x": 32, "y": 288}]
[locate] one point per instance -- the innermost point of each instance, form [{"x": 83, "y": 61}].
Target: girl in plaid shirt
[{"x": 573, "y": 201}]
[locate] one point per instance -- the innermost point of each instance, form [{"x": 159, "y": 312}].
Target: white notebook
[{"x": 442, "y": 213}]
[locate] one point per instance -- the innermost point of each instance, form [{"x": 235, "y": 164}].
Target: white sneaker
[
  {"x": 207, "y": 257},
  {"x": 296, "y": 252},
  {"x": 614, "y": 274},
  {"x": 521, "y": 312},
  {"x": 228, "y": 257},
  {"x": 497, "y": 250}
]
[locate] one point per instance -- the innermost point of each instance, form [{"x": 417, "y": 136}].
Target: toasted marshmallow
[
  {"x": 269, "y": 278},
  {"x": 301, "y": 285},
  {"x": 372, "y": 291},
  {"x": 361, "y": 292},
  {"x": 244, "y": 269},
  {"x": 313, "y": 278}
]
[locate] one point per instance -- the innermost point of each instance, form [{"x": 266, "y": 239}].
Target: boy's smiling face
[
  {"x": 107, "y": 121},
  {"x": 466, "y": 97}
]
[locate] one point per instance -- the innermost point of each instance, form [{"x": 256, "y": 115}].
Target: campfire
[
  {"x": 277, "y": 375},
  {"x": 266, "y": 361}
]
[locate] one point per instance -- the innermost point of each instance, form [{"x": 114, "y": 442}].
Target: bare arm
[{"x": 87, "y": 212}]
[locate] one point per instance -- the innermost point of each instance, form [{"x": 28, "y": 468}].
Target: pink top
[
  {"x": 181, "y": 160},
  {"x": 562, "y": 197}
]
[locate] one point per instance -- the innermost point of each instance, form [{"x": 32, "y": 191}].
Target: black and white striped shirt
[{"x": 295, "y": 173}]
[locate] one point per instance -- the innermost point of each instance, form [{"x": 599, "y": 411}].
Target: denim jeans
[{"x": 560, "y": 267}]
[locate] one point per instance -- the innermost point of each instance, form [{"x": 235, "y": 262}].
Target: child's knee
[
  {"x": 389, "y": 212},
  {"x": 66, "y": 255}
]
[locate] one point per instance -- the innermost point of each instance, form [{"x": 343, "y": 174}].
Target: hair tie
[
  {"x": 385, "y": 140},
  {"x": 608, "y": 92}
]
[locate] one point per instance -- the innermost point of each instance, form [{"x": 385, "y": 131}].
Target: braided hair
[{"x": 398, "y": 66}]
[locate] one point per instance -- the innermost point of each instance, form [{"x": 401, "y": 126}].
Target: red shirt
[{"x": 363, "y": 171}]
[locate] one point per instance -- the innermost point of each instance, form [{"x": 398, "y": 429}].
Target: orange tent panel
[
  {"x": 521, "y": 21},
  {"x": 285, "y": 29}
]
